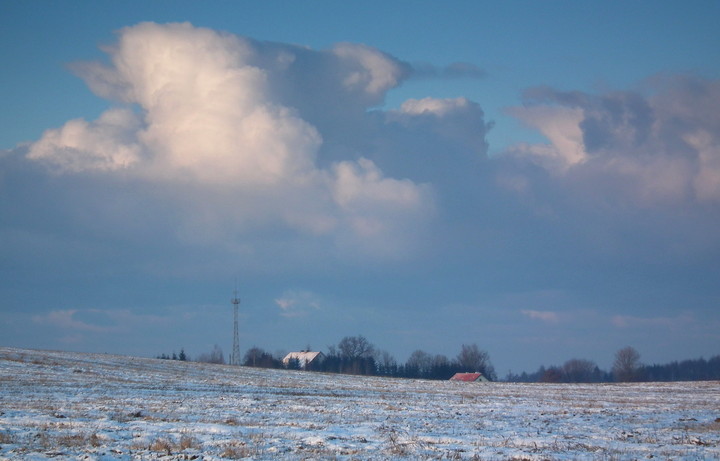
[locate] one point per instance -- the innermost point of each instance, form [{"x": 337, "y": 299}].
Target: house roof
[
  {"x": 468, "y": 377},
  {"x": 303, "y": 357}
]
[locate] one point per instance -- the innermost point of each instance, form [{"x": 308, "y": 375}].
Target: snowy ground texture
[{"x": 80, "y": 406}]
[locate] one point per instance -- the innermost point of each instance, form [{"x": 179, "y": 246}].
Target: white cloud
[
  {"x": 207, "y": 115},
  {"x": 369, "y": 69},
  {"x": 294, "y": 303},
  {"x": 561, "y": 126},
  {"x": 215, "y": 117},
  {"x": 361, "y": 186},
  {"x": 654, "y": 149},
  {"x": 65, "y": 319},
  {"x": 381, "y": 213},
  {"x": 545, "y": 316},
  {"x": 108, "y": 143},
  {"x": 439, "y": 107}
]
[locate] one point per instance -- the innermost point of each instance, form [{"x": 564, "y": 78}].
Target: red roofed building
[{"x": 469, "y": 377}]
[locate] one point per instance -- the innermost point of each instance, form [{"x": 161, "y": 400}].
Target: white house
[{"x": 304, "y": 358}]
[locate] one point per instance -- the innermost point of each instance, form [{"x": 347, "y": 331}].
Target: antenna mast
[{"x": 235, "y": 356}]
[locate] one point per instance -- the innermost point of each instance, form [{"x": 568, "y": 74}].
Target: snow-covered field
[{"x": 84, "y": 406}]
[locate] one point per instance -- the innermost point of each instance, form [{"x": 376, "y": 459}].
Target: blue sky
[{"x": 542, "y": 179}]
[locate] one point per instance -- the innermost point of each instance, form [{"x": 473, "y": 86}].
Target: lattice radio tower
[{"x": 235, "y": 356}]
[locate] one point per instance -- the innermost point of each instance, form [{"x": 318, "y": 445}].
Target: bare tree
[
  {"x": 387, "y": 365},
  {"x": 253, "y": 356},
  {"x": 440, "y": 360},
  {"x": 355, "y": 347},
  {"x": 472, "y": 358},
  {"x": 580, "y": 371},
  {"x": 420, "y": 362},
  {"x": 626, "y": 367}
]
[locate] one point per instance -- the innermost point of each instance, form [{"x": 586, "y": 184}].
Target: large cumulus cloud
[{"x": 239, "y": 127}]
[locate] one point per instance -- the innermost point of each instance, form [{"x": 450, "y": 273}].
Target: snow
[{"x": 60, "y": 405}]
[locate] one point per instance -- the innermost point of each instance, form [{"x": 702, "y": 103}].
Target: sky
[{"x": 541, "y": 179}]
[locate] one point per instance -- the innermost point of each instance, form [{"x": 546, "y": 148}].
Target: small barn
[
  {"x": 305, "y": 359},
  {"x": 469, "y": 377}
]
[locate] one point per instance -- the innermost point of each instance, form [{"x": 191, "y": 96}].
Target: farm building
[
  {"x": 304, "y": 359},
  {"x": 469, "y": 377}
]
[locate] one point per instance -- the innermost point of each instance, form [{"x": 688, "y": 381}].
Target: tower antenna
[{"x": 235, "y": 356}]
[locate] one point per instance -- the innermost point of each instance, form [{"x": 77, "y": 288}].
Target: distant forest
[
  {"x": 356, "y": 355},
  {"x": 686, "y": 370}
]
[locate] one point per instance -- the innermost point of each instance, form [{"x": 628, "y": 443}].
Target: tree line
[
  {"x": 358, "y": 356},
  {"x": 627, "y": 367}
]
